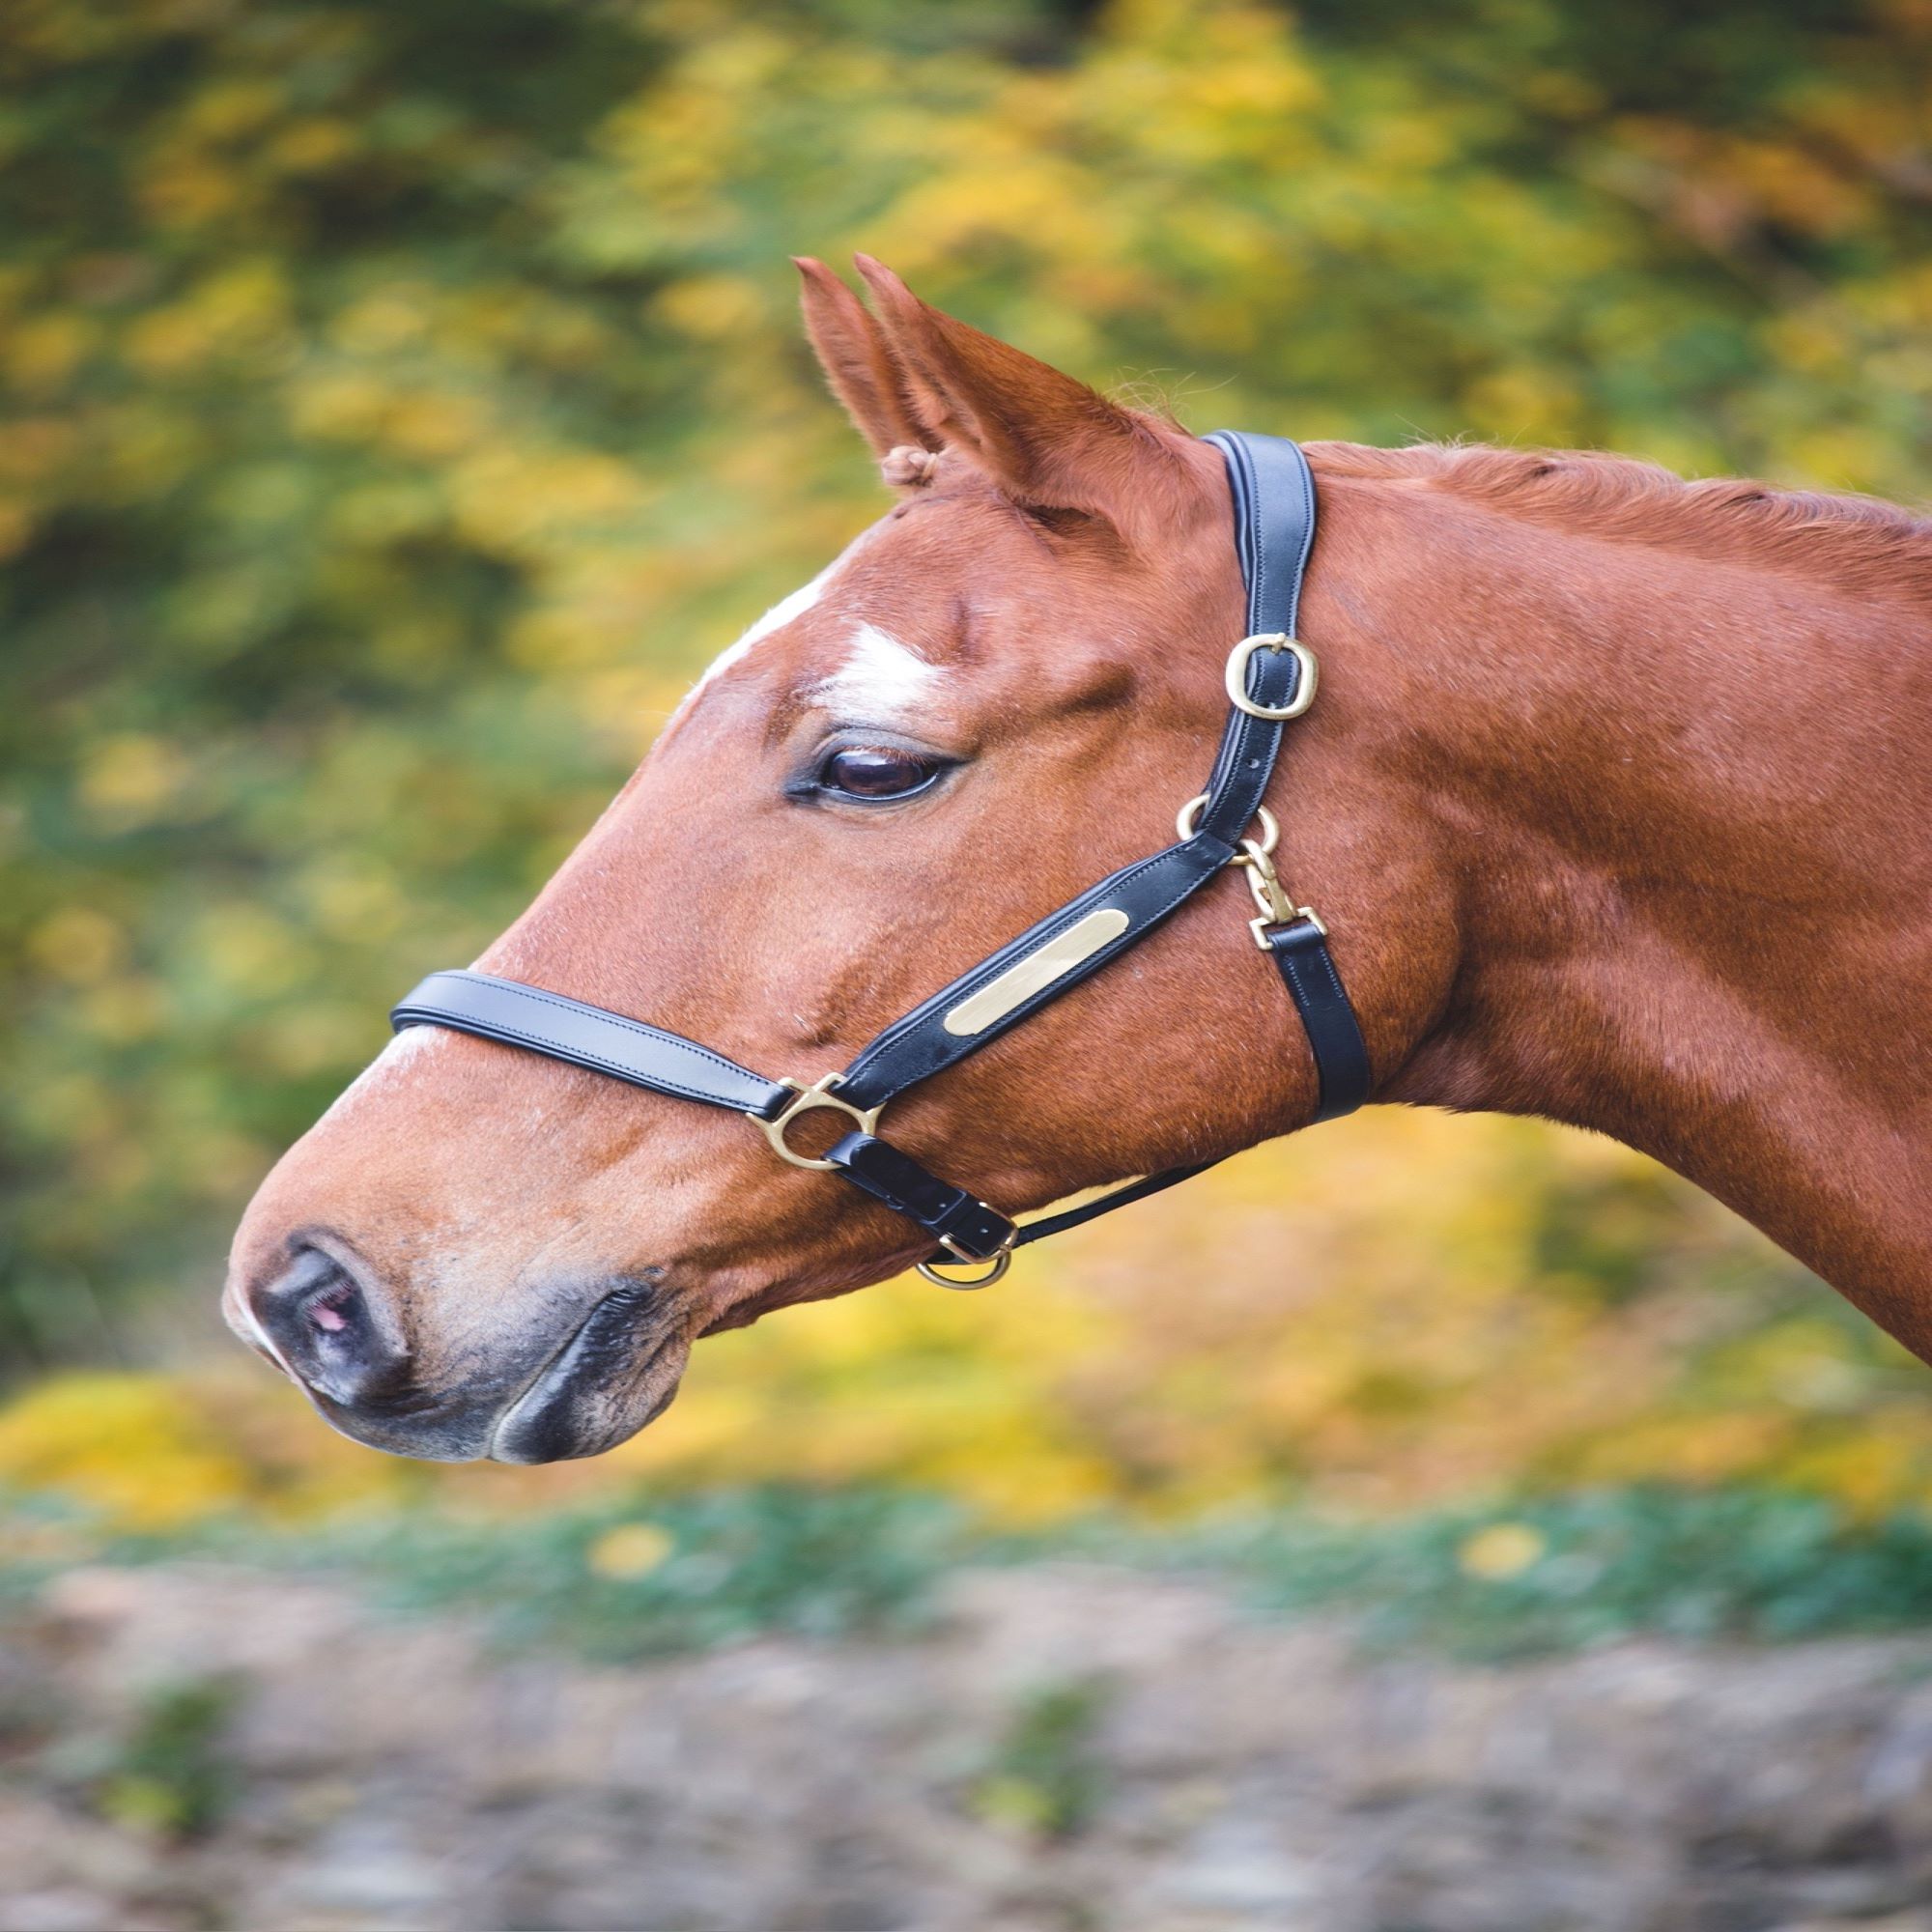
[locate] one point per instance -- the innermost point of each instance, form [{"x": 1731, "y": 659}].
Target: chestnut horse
[{"x": 1618, "y": 804}]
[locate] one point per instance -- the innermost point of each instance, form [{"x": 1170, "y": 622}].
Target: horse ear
[
  {"x": 1047, "y": 440},
  {"x": 852, "y": 351}
]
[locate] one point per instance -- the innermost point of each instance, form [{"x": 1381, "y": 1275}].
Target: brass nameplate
[{"x": 1039, "y": 970}]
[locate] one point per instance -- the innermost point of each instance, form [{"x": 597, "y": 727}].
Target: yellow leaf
[
  {"x": 79, "y": 944},
  {"x": 1502, "y": 1551},
  {"x": 129, "y": 779},
  {"x": 630, "y": 1550}
]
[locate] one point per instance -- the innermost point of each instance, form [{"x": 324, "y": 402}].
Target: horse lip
[{"x": 536, "y": 1424}]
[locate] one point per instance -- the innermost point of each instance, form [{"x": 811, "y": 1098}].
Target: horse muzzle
[
  {"x": 618, "y": 1372},
  {"x": 564, "y": 1388}
]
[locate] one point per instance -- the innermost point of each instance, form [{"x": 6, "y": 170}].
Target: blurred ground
[{"x": 1069, "y": 1747}]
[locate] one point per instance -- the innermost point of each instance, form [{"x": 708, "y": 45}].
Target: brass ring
[
  {"x": 1270, "y": 831},
  {"x": 1237, "y": 676},
  {"x": 819, "y": 1095},
  {"x": 999, "y": 1263}
]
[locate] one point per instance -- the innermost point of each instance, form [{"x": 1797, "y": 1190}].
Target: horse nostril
[
  {"x": 334, "y": 1307},
  {"x": 321, "y": 1318}
]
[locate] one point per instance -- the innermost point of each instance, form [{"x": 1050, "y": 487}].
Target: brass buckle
[
  {"x": 1270, "y": 831},
  {"x": 996, "y": 1266},
  {"x": 1237, "y": 676},
  {"x": 819, "y": 1095}
]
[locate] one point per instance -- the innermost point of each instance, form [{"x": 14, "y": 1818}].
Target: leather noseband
[{"x": 1270, "y": 680}]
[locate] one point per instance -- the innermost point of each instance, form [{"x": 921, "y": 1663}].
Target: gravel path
[{"x": 1215, "y": 1774}]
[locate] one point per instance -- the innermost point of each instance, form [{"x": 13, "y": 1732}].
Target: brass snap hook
[{"x": 1273, "y": 900}]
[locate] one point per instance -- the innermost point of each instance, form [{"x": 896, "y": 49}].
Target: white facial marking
[
  {"x": 786, "y": 611},
  {"x": 241, "y": 1315},
  {"x": 880, "y": 680},
  {"x": 408, "y": 1046}
]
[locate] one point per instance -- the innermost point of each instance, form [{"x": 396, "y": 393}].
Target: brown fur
[
  {"x": 1860, "y": 543},
  {"x": 1615, "y": 799}
]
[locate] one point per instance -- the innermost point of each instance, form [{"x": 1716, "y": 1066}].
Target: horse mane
[{"x": 1860, "y": 544}]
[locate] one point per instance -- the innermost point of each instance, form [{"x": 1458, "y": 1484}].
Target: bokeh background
[{"x": 404, "y": 403}]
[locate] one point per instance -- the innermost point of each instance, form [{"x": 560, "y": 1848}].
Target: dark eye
[{"x": 877, "y": 771}]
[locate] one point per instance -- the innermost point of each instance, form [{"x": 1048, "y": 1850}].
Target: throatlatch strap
[{"x": 1105, "y": 1204}]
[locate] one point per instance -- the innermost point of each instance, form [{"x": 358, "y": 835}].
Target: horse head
[{"x": 1000, "y": 690}]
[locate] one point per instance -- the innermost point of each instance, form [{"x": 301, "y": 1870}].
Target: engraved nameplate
[{"x": 1039, "y": 970}]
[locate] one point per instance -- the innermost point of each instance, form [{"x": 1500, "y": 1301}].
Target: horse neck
[{"x": 1697, "y": 821}]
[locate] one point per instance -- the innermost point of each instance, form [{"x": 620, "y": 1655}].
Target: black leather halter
[{"x": 1270, "y": 680}]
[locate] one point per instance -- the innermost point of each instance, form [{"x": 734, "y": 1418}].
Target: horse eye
[{"x": 877, "y": 771}]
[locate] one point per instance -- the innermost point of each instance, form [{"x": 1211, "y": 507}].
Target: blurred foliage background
[{"x": 403, "y": 402}]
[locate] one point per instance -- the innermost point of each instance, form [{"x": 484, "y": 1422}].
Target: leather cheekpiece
[{"x": 1273, "y": 494}]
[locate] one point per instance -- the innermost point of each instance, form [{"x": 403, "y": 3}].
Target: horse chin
[
  {"x": 596, "y": 1392},
  {"x": 460, "y": 1435}
]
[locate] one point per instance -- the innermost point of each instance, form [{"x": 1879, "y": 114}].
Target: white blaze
[
  {"x": 881, "y": 679},
  {"x": 410, "y": 1044},
  {"x": 786, "y": 611}
]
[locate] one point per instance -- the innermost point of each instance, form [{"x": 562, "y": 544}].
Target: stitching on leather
[
  {"x": 508, "y": 1035},
  {"x": 1070, "y": 914},
  {"x": 515, "y": 989},
  {"x": 917, "y": 1023},
  {"x": 577, "y": 1057},
  {"x": 1305, "y": 478},
  {"x": 1303, "y": 994},
  {"x": 1334, "y": 979},
  {"x": 1246, "y": 473},
  {"x": 1243, "y": 747},
  {"x": 1258, "y": 593},
  {"x": 1332, "y": 1018},
  {"x": 1344, "y": 1009},
  {"x": 945, "y": 1201},
  {"x": 1356, "y": 1048}
]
